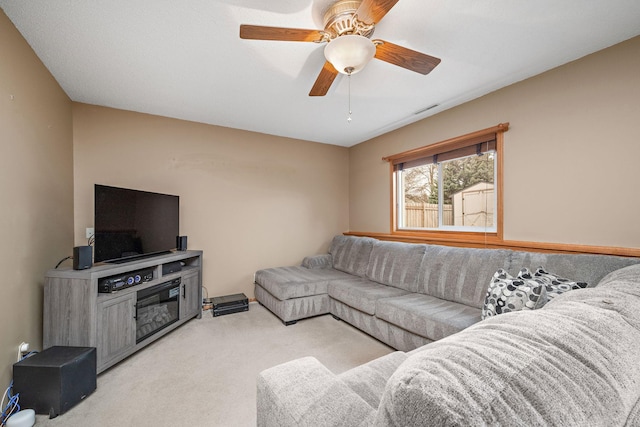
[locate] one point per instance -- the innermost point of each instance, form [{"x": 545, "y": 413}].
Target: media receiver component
[
  {"x": 122, "y": 281},
  {"x": 230, "y": 304}
]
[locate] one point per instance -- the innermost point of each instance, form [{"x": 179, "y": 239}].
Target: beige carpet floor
[{"x": 204, "y": 372}]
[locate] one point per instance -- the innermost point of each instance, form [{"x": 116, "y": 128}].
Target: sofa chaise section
[{"x": 297, "y": 292}]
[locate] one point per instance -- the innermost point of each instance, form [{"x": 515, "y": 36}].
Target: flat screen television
[{"x": 131, "y": 224}]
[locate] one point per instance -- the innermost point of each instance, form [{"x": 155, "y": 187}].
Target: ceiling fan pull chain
[{"x": 349, "y": 80}]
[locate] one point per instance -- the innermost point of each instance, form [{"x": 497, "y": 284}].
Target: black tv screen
[{"x": 130, "y": 223}]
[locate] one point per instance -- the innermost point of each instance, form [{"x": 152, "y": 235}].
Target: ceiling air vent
[{"x": 425, "y": 109}]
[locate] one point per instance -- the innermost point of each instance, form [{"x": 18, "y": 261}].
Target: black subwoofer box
[{"x": 54, "y": 380}]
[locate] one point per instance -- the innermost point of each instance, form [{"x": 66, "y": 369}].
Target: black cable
[{"x": 62, "y": 260}]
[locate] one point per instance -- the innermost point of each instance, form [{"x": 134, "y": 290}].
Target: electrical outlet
[
  {"x": 89, "y": 231},
  {"x": 23, "y": 348}
]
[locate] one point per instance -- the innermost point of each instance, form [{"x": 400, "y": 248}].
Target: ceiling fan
[{"x": 348, "y": 27}]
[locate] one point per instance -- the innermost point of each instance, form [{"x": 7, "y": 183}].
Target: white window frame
[{"x": 400, "y": 201}]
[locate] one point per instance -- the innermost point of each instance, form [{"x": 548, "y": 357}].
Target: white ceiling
[{"x": 184, "y": 59}]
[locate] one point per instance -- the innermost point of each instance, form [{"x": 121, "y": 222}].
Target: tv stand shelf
[{"x": 76, "y": 314}]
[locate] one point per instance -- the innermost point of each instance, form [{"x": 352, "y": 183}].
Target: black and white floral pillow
[
  {"x": 507, "y": 293},
  {"x": 557, "y": 285}
]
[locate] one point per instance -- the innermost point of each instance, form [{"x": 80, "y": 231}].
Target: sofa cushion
[
  {"x": 370, "y": 379},
  {"x": 396, "y": 264},
  {"x": 427, "y": 316},
  {"x": 507, "y": 293},
  {"x": 460, "y": 274},
  {"x": 318, "y": 261},
  {"x": 351, "y": 254},
  {"x": 295, "y": 282},
  {"x": 574, "y": 362},
  {"x": 361, "y": 294}
]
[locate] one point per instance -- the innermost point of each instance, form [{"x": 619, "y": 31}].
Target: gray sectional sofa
[
  {"x": 407, "y": 295},
  {"x": 573, "y": 362}
]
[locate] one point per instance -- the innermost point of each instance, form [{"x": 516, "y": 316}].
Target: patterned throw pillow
[
  {"x": 557, "y": 285},
  {"x": 507, "y": 293}
]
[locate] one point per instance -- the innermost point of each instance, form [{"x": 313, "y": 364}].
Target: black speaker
[
  {"x": 54, "y": 380},
  {"x": 181, "y": 243},
  {"x": 82, "y": 257}
]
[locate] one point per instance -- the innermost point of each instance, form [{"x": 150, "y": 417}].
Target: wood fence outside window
[{"x": 425, "y": 215}]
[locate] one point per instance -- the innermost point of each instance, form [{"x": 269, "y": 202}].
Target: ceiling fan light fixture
[{"x": 349, "y": 53}]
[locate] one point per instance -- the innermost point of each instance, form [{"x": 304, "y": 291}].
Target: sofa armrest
[
  {"x": 318, "y": 261},
  {"x": 304, "y": 392}
]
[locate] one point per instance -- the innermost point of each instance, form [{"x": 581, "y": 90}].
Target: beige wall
[
  {"x": 247, "y": 200},
  {"x": 561, "y": 185},
  {"x": 36, "y": 190}
]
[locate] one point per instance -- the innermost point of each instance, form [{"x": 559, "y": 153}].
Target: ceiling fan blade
[
  {"x": 372, "y": 11},
  {"x": 325, "y": 79},
  {"x": 405, "y": 58},
  {"x": 259, "y": 32}
]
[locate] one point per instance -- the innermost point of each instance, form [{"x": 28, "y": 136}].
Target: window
[
  {"x": 450, "y": 186},
  {"x": 456, "y": 194}
]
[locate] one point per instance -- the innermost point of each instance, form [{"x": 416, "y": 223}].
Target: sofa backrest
[
  {"x": 577, "y": 267},
  {"x": 460, "y": 274},
  {"x": 351, "y": 254},
  {"x": 396, "y": 264}
]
